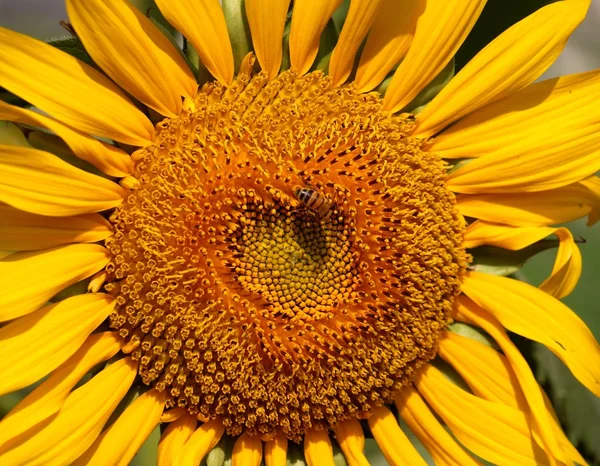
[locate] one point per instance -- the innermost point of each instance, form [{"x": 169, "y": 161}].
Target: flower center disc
[{"x": 245, "y": 302}]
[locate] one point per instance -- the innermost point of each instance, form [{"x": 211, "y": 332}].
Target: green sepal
[
  {"x": 11, "y": 134},
  {"x": 239, "y": 30},
  {"x": 221, "y": 454},
  {"x": 450, "y": 373},
  {"x": 498, "y": 261},
  {"x": 10, "y": 98},
  {"x": 328, "y": 42},
  {"x": 74, "y": 47},
  {"x": 74, "y": 290},
  {"x": 338, "y": 457},
  {"x": 295, "y": 455},
  {"x": 431, "y": 90},
  {"x": 474, "y": 333},
  {"x": 55, "y": 145},
  {"x": 339, "y": 15}
]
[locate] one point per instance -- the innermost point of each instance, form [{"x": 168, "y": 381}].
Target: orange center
[{"x": 245, "y": 303}]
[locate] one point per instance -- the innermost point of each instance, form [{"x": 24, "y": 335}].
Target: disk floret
[{"x": 243, "y": 304}]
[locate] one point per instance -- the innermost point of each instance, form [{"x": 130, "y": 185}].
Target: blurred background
[{"x": 578, "y": 409}]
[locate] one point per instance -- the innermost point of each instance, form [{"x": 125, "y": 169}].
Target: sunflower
[{"x": 275, "y": 250}]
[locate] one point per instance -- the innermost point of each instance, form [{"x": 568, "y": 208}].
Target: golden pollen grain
[{"x": 243, "y": 304}]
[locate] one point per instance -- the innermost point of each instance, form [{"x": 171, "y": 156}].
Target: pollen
[{"x": 244, "y": 304}]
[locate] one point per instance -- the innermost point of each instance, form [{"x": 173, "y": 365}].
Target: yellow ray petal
[
  {"x": 30, "y": 279},
  {"x": 552, "y": 105},
  {"x": 440, "y": 444},
  {"x": 528, "y": 311},
  {"x": 200, "y": 443},
  {"x": 529, "y": 397},
  {"x": 41, "y": 183},
  {"x": 110, "y": 159},
  {"x": 317, "y": 448},
  {"x": 69, "y": 90},
  {"x": 276, "y": 450},
  {"x": 308, "y": 22},
  {"x": 394, "y": 444},
  {"x": 266, "y": 26},
  {"x": 247, "y": 451},
  {"x": 567, "y": 266},
  {"x": 174, "y": 437},
  {"x": 493, "y": 431},
  {"x": 133, "y": 52},
  {"x": 503, "y": 236},
  {"x": 351, "y": 438},
  {"x": 441, "y": 30},
  {"x": 48, "y": 397},
  {"x": 510, "y": 62},
  {"x": 542, "y": 162},
  {"x": 36, "y": 344},
  {"x": 120, "y": 442},
  {"x": 593, "y": 186},
  {"x": 541, "y": 208},
  {"x": 361, "y": 16},
  {"x": 78, "y": 423},
  {"x": 172, "y": 414},
  {"x": 203, "y": 23},
  {"x": 388, "y": 41},
  {"x": 21, "y": 231}
]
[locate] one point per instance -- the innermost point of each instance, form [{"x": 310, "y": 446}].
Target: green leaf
[
  {"x": 577, "y": 408},
  {"x": 239, "y": 30},
  {"x": 498, "y": 261}
]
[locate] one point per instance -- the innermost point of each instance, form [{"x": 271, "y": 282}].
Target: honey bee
[{"x": 314, "y": 201}]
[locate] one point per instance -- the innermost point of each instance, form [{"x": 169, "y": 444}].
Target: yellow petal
[
  {"x": 503, "y": 236},
  {"x": 21, "y": 231},
  {"x": 133, "y": 52},
  {"x": 441, "y": 30},
  {"x": 247, "y": 451},
  {"x": 41, "y": 183},
  {"x": 507, "y": 380},
  {"x": 203, "y": 23},
  {"x": 567, "y": 266},
  {"x": 308, "y": 22},
  {"x": 47, "y": 399},
  {"x": 30, "y": 279},
  {"x": 317, "y": 448},
  {"x": 351, "y": 438},
  {"x": 36, "y": 344},
  {"x": 549, "y": 106},
  {"x": 69, "y": 90},
  {"x": 593, "y": 186},
  {"x": 541, "y": 418},
  {"x": 266, "y": 26},
  {"x": 541, "y": 208},
  {"x": 276, "y": 450},
  {"x": 172, "y": 440},
  {"x": 172, "y": 414},
  {"x": 542, "y": 162},
  {"x": 510, "y": 62},
  {"x": 120, "y": 442},
  {"x": 492, "y": 431},
  {"x": 394, "y": 444},
  {"x": 78, "y": 423},
  {"x": 200, "y": 443},
  {"x": 388, "y": 41},
  {"x": 361, "y": 16},
  {"x": 440, "y": 444},
  {"x": 528, "y": 311},
  {"x": 110, "y": 159}
]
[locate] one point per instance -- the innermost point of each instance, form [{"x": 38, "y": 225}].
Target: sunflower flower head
[{"x": 283, "y": 233}]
